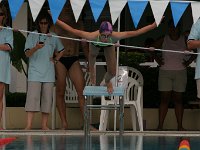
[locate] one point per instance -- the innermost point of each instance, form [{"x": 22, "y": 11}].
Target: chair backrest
[
  {"x": 70, "y": 93},
  {"x": 136, "y": 74},
  {"x": 132, "y": 90}
]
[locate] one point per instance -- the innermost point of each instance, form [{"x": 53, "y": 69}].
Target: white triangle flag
[
  {"x": 77, "y": 7},
  {"x": 35, "y": 6},
  {"x": 158, "y": 9},
  {"x": 195, "y": 10},
  {"x": 116, "y": 6}
]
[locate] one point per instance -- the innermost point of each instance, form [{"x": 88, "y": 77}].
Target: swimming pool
[{"x": 99, "y": 141}]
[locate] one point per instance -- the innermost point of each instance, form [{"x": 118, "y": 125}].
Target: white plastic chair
[
  {"x": 70, "y": 95},
  {"x": 133, "y": 99},
  {"x": 137, "y": 75}
]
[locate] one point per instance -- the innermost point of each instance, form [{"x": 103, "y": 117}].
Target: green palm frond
[{"x": 17, "y": 54}]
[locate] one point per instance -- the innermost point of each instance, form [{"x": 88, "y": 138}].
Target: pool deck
[{"x": 81, "y": 132}]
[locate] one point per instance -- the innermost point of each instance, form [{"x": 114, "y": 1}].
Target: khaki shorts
[
  {"x": 172, "y": 80},
  {"x": 39, "y": 96}
]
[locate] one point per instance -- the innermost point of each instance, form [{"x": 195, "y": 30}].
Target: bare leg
[
  {"x": 61, "y": 74},
  {"x": 76, "y": 75},
  {"x": 178, "y": 109},
  {"x": 79, "y": 83},
  {"x": 30, "y": 115},
  {"x": 45, "y": 121},
  {"x": 2, "y": 87},
  {"x": 110, "y": 56},
  {"x": 93, "y": 52},
  {"x": 165, "y": 96}
]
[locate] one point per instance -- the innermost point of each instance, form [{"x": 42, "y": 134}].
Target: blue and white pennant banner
[
  {"x": 137, "y": 8},
  {"x": 35, "y": 7},
  {"x": 77, "y": 7},
  {"x": 158, "y": 8},
  {"x": 15, "y": 6}
]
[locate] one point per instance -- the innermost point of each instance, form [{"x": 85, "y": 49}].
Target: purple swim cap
[{"x": 105, "y": 27}]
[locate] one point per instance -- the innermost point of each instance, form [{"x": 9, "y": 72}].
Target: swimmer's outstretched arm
[
  {"x": 128, "y": 34},
  {"x": 79, "y": 33}
]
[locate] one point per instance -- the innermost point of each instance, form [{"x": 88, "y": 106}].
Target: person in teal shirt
[
  {"x": 40, "y": 49},
  {"x": 6, "y": 45},
  {"x": 194, "y": 43}
]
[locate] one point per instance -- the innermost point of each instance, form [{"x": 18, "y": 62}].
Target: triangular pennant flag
[
  {"x": 158, "y": 9},
  {"x": 137, "y": 9},
  {"x": 97, "y": 7},
  {"x": 195, "y": 11},
  {"x": 178, "y": 8},
  {"x": 35, "y": 7},
  {"x": 116, "y": 7},
  {"x": 15, "y": 6},
  {"x": 77, "y": 7},
  {"x": 56, "y": 7}
]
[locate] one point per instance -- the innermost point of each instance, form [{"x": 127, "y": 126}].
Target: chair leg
[
  {"x": 103, "y": 120},
  {"x": 139, "y": 115},
  {"x": 103, "y": 116},
  {"x": 133, "y": 118}
]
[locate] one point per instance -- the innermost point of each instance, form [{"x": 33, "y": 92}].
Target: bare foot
[
  {"x": 64, "y": 127},
  {"x": 109, "y": 87},
  {"x": 93, "y": 128},
  {"x": 159, "y": 129},
  {"x": 181, "y": 129},
  {"x": 45, "y": 128},
  {"x": 27, "y": 128}
]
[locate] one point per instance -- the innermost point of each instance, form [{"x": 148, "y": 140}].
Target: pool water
[{"x": 98, "y": 142}]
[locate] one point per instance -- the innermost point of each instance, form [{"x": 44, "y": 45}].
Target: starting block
[
  {"x": 90, "y": 91},
  {"x": 102, "y": 91}
]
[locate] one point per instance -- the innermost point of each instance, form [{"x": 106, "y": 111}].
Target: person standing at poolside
[
  {"x": 172, "y": 78},
  {"x": 194, "y": 43},
  {"x": 6, "y": 45},
  {"x": 40, "y": 50},
  {"x": 69, "y": 66}
]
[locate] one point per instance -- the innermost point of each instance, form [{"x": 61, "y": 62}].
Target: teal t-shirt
[
  {"x": 41, "y": 68},
  {"x": 6, "y": 37}
]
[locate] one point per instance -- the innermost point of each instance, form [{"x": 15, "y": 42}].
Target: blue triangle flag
[
  {"x": 178, "y": 8},
  {"x": 56, "y": 7},
  {"x": 137, "y": 9},
  {"x": 97, "y": 7},
  {"x": 15, "y": 6}
]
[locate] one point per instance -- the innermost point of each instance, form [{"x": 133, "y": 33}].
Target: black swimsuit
[{"x": 68, "y": 61}]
